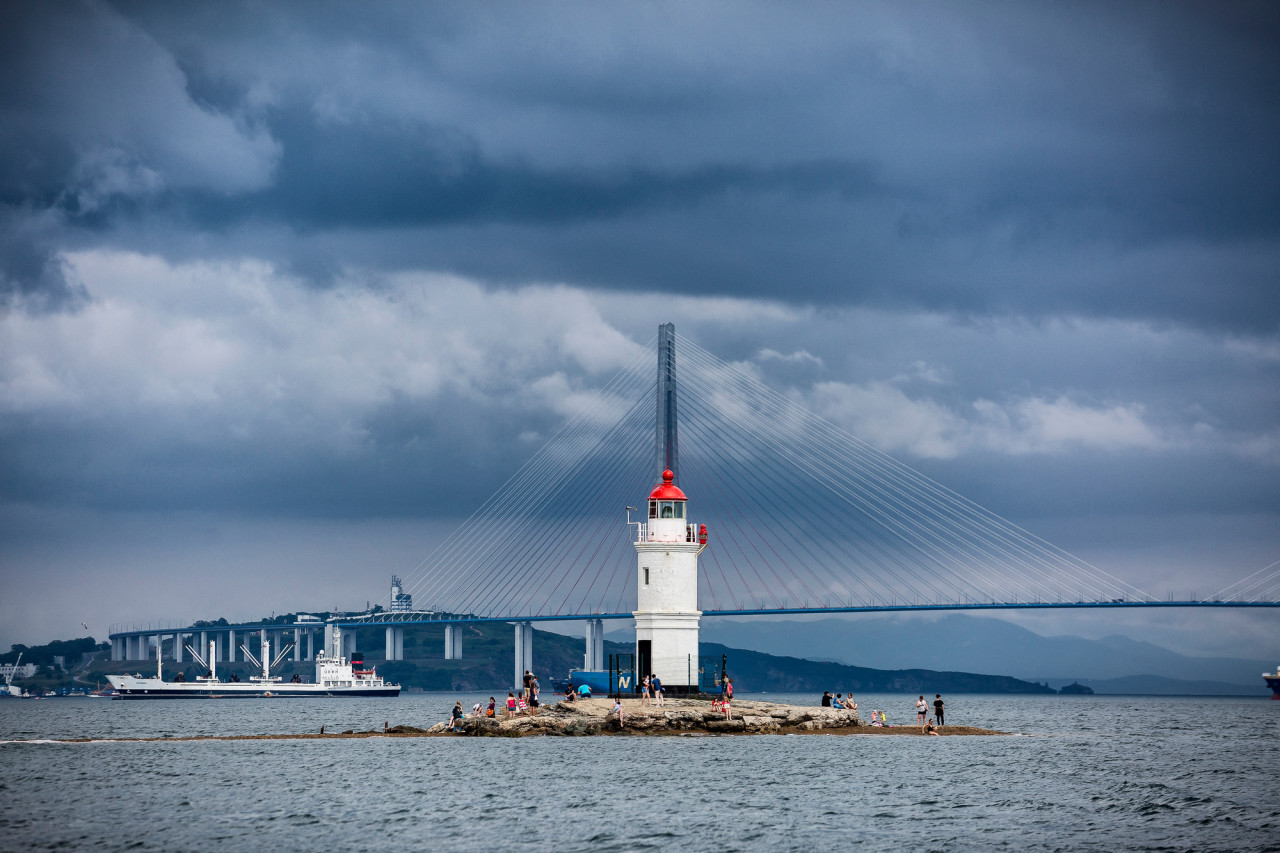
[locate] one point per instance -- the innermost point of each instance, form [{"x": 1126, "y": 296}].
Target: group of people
[
  {"x": 838, "y": 701},
  {"x": 926, "y": 723},
  {"x": 724, "y": 700},
  {"x": 526, "y": 704},
  {"x": 651, "y": 689},
  {"x": 922, "y": 714}
]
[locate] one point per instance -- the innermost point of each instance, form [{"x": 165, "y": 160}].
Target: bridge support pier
[
  {"x": 348, "y": 643},
  {"x": 177, "y": 648},
  {"x": 231, "y": 646},
  {"x": 593, "y": 660},
  {"x": 297, "y": 644},
  {"x": 524, "y": 651},
  {"x": 395, "y": 643},
  {"x": 311, "y": 645},
  {"x": 453, "y": 642}
]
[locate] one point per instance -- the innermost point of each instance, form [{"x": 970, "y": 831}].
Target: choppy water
[{"x": 1088, "y": 773}]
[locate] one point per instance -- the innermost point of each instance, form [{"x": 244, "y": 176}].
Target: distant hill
[
  {"x": 974, "y": 644},
  {"x": 753, "y": 672}
]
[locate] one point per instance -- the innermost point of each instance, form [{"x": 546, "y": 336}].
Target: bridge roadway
[{"x": 136, "y": 644}]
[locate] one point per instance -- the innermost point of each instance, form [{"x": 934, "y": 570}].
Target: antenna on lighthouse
[{"x": 667, "y": 440}]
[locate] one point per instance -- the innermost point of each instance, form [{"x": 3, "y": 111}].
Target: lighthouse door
[{"x": 644, "y": 655}]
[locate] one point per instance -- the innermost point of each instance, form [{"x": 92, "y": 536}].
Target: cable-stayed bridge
[{"x": 804, "y": 518}]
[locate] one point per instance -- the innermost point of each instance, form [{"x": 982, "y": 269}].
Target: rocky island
[{"x": 674, "y": 717}]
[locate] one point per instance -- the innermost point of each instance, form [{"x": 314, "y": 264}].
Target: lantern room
[{"x": 667, "y": 501}]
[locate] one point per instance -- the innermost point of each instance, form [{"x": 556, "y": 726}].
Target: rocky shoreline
[
  {"x": 593, "y": 717},
  {"x": 676, "y": 717}
]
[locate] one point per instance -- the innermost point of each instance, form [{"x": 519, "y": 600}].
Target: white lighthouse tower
[
  {"x": 667, "y": 615},
  {"x": 667, "y": 548}
]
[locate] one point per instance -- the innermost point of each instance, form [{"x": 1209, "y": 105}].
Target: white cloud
[
  {"x": 884, "y": 415},
  {"x": 242, "y": 349},
  {"x": 797, "y": 357}
]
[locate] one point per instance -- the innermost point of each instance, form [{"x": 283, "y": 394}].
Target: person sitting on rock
[
  {"x": 584, "y": 692},
  {"x": 617, "y": 709},
  {"x": 930, "y": 729},
  {"x": 728, "y": 715},
  {"x": 836, "y": 703},
  {"x": 826, "y": 698}
]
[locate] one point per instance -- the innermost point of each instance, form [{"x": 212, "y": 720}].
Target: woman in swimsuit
[{"x": 644, "y": 691}]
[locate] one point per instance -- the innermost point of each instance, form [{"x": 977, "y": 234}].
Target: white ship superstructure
[{"x": 335, "y": 676}]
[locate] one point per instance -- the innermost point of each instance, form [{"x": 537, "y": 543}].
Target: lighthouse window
[
  {"x": 679, "y": 510},
  {"x": 653, "y": 509},
  {"x": 667, "y": 512},
  {"x": 646, "y": 575}
]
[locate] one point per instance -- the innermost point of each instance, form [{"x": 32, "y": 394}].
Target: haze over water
[{"x": 1140, "y": 773}]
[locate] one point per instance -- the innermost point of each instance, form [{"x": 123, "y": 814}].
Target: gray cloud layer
[{"x": 273, "y": 262}]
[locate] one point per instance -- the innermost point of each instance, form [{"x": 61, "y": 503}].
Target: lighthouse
[{"x": 667, "y": 616}]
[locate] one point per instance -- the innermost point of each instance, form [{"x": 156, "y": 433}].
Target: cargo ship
[
  {"x": 1273, "y": 681},
  {"x": 335, "y": 676}
]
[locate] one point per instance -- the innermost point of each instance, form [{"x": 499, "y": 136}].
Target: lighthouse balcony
[{"x": 666, "y": 531}]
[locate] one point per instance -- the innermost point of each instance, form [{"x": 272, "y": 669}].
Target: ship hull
[
  {"x": 129, "y": 687},
  {"x": 235, "y": 691},
  {"x": 1274, "y": 683},
  {"x": 273, "y": 694}
]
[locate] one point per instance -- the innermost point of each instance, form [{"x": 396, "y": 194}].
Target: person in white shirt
[{"x": 922, "y": 711}]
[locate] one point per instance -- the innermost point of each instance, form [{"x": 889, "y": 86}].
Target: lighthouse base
[{"x": 667, "y": 646}]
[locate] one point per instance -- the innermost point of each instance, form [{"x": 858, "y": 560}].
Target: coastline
[{"x": 593, "y": 718}]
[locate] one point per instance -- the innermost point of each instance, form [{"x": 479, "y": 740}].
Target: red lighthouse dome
[{"x": 668, "y": 491}]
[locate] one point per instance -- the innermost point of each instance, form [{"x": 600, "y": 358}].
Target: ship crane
[
  {"x": 9, "y": 673},
  {"x": 266, "y": 656}
]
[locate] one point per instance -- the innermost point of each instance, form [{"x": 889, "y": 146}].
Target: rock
[
  {"x": 723, "y": 725},
  {"x": 754, "y": 723},
  {"x": 683, "y": 719}
]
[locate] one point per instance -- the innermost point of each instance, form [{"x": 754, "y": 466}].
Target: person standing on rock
[
  {"x": 922, "y": 711},
  {"x": 644, "y": 691},
  {"x": 657, "y": 690},
  {"x": 456, "y": 724},
  {"x": 511, "y": 705},
  {"x": 528, "y": 682},
  {"x": 937, "y": 708}
]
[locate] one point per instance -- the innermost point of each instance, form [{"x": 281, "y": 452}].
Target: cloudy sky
[{"x": 286, "y": 291}]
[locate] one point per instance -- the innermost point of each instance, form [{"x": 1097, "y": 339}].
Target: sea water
[{"x": 1080, "y": 773}]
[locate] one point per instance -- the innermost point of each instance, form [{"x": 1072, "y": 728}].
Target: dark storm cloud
[
  {"x": 1093, "y": 159},
  {"x": 399, "y": 175}
]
